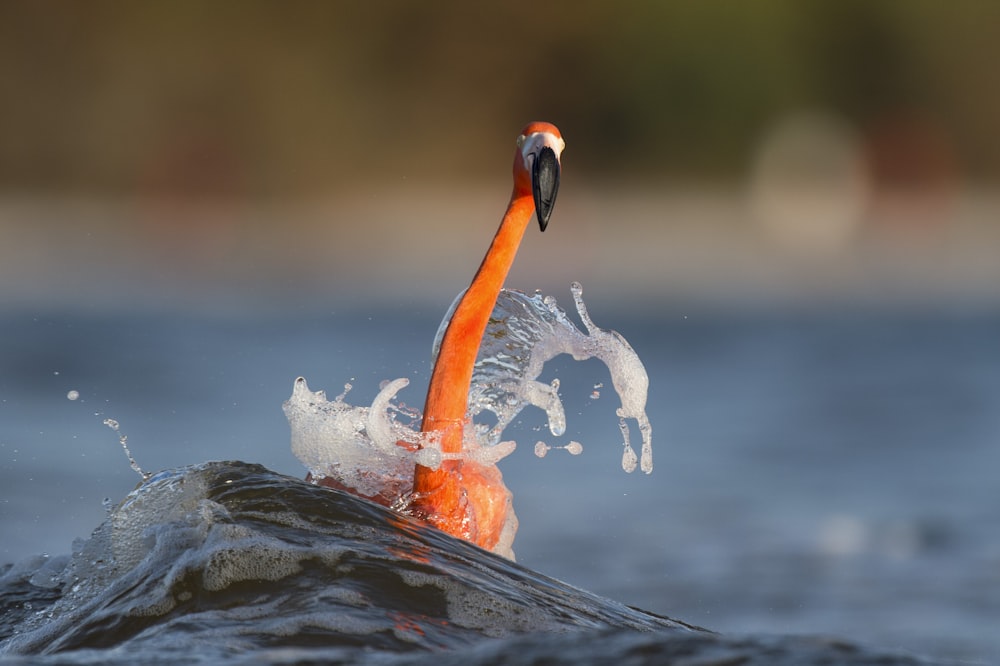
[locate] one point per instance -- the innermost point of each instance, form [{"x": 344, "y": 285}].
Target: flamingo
[{"x": 465, "y": 497}]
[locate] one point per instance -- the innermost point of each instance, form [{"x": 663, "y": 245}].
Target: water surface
[{"x": 817, "y": 472}]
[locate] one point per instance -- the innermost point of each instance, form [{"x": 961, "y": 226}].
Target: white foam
[
  {"x": 628, "y": 376},
  {"x": 524, "y": 333},
  {"x": 356, "y": 446}
]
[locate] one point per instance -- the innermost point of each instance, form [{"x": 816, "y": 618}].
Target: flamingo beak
[{"x": 545, "y": 184}]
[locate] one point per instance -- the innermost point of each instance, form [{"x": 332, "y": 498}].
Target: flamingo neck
[{"x": 447, "y": 395}]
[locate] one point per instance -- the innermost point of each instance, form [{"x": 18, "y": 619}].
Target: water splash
[
  {"x": 123, "y": 440},
  {"x": 523, "y": 334},
  {"x": 573, "y": 448},
  {"x": 373, "y": 450},
  {"x": 366, "y": 448},
  {"x": 357, "y": 446}
]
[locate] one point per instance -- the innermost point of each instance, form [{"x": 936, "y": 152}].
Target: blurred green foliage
[{"x": 248, "y": 98}]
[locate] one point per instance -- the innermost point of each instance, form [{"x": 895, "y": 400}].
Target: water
[
  {"x": 824, "y": 472},
  {"x": 229, "y": 562},
  {"x": 202, "y": 553}
]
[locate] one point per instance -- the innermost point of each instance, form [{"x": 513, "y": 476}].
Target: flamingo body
[{"x": 463, "y": 497}]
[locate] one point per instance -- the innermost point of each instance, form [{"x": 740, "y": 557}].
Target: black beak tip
[{"x": 545, "y": 185}]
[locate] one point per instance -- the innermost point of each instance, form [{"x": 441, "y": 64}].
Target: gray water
[{"x": 826, "y": 472}]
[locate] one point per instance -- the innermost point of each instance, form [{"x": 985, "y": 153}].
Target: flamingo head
[{"x": 537, "y": 167}]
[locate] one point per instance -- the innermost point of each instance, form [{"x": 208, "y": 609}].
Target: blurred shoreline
[{"x": 418, "y": 246}]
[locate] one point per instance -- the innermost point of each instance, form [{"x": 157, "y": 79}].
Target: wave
[{"x": 232, "y": 563}]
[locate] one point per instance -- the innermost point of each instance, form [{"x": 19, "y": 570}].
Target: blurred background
[
  {"x": 712, "y": 148},
  {"x": 790, "y": 209}
]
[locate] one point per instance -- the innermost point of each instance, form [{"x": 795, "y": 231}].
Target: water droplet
[
  {"x": 73, "y": 395},
  {"x": 123, "y": 440},
  {"x": 429, "y": 457},
  {"x": 541, "y": 448},
  {"x": 629, "y": 459}
]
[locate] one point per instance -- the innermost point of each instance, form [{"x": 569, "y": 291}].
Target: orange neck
[{"x": 448, "y": 393}]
